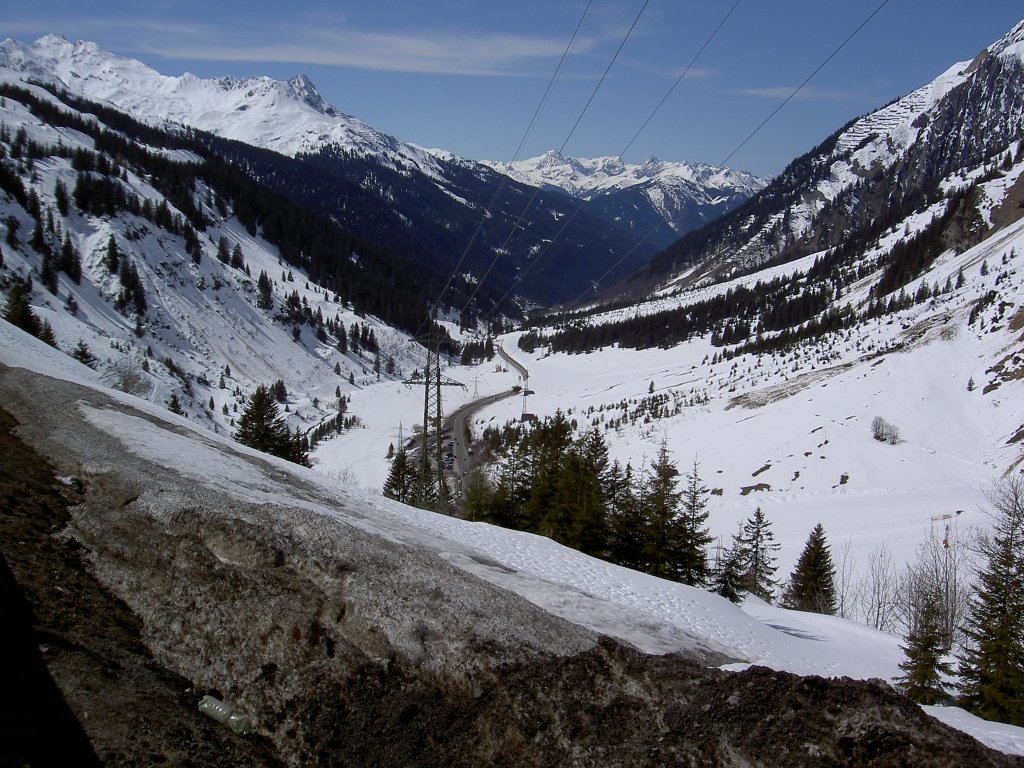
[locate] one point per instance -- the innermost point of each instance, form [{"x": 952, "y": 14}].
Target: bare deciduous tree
[
  {"x": 127, "y": 375},
  {"x": 880, "y": 597},
  {"x": 884, "y": 432}
]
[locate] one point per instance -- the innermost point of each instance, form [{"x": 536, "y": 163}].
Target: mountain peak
[
  {"x": 288, "y": 117},
  {"x": 51, "y": 40},
  {"x": 305, "y": 91},
  {"x": 1012, "y": 43}
]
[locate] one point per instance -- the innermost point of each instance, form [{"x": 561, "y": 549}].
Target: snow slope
[
  {"x": 203, "y": 318},
  {"x": 655, "y": 615}
]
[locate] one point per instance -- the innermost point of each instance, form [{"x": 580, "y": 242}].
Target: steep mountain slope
[
  {"x": 428, "y": 205},
  {"x": 873, "y": 173},
  {"x": 178, "y": 277},
  {"x": 657, "y": 199}
]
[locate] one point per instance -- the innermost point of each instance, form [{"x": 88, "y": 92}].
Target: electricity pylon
[{"x": 432, "y": 490}]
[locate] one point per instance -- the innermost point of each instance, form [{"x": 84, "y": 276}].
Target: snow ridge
[
  {"x": 289, "y": 117},
  {"x": 583, "y": 177}
]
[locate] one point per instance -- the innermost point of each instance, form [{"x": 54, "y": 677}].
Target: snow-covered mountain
[
  {"x": 163, "y": 290},
  {"x": 947, "y": 135},
  {"x": 424, "y": 204},
  {"x": 880, "y": 275},
  {"x": 285, "y": 116},
  {"x": 683, "y": 195}
]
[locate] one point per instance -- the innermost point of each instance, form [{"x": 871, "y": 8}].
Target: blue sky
[{"x": 467, "y": 75}]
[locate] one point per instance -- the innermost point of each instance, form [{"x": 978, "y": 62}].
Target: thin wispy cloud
[
  {"x": 88, "y": 28},
  {"x": 807, "y": 93},
  {"x": 439, "y": 52},
  {"x": 444, "y": 52}
]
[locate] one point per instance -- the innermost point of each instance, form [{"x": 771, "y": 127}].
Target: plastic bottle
[{"x": 224, "y": 713}]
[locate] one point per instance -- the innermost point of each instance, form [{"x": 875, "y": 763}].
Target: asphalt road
[
  {"x": 523, "y": 373},
  {"x": 457, "y": 420}
]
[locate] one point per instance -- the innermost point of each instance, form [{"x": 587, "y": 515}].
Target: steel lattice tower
[{"x": 432, "y": 490}]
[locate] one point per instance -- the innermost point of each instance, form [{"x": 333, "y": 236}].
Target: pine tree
[
  {"x": 113, "y": 258},
  {"x": 925, "y": 666},
  {"x": 578, "y": 507},
  {"x": 726, "y": 578},
  {"x": 546, "y": 447},
  {"x": 812, "y": 585},
  {"x": 264, "y": 299},
  {"x": 18, "y": 311},
  {"x": 991, "y": 666},
  {"x": 174, "y": 405},
  {"x": 261, "y": 427},
  {"x": 297, "y": 449},
  {"x": 223, "y": 254},
  {"x": 755, "y": 546},
  {"x": 511, "y": 487},
  {"x": 659, "y": 504},
  {"x": 692, "y": 555},
  {"x": 82, "y": 354},
  {"x": 403, "y": 478},
  {"x": 626, "y": 520}
]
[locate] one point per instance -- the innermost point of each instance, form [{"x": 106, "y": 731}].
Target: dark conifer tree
[
  {"x": 18, "y": 311},
  {"x": 82, "y": 354},
  {"x": 545, "y": 449},
  {"x": 726, "y": 578},
  {"x": 660, "y": 503},
  {"x": 113, "y": 257},
  {"x": 812, "y": 585},
  {"x": 261, "y": 427},
  {"x": 70, "y": 261},
  {"x": 223, "y": 252},
  {"x": 264, "y": 298},
  {"x": 626, "y": 524},
  {"x": 694, "y": 536},
  {"x": 511, "y": 487},
  {"x": 403, "y": 478},
  {"x": 60, "y": 193},
  {"x": 992, "y": 664},
  {"x": 925, "y": 667},
  {"x": 755, "y": 549}
]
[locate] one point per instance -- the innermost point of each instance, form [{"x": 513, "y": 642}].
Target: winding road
[
  {"x": 523, "y": 373},
  {"x": 456, "y": 422}
]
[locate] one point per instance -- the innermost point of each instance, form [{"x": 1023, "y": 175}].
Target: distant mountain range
[
  {"x": 425, "y": 202},
  {"x": 657, "y": 199}
]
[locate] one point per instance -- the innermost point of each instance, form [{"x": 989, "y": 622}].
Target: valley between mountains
[{"x": 841, "y": 345}]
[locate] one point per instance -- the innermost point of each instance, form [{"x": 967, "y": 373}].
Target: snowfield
[{"x": 655, "y": 615}]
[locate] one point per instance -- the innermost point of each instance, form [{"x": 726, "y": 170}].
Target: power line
[
  {"x": 807, "y": 80},
  {"x": 679, "y": 79},
  {"x": 505, "y": 179},
  {"x": 536, "y": 190},
  {"x": 579, "y": 207},
  {"x": 750, "y": 136}
]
